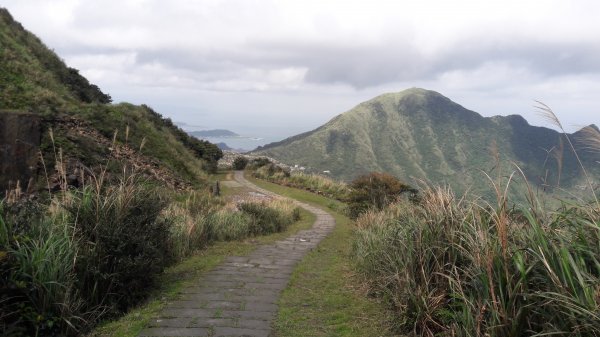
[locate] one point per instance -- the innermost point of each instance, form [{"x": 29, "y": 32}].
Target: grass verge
[{"x": 323, "y": 297}]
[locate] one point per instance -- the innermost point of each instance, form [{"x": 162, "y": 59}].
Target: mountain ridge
[{"x": 419, "y": 134}]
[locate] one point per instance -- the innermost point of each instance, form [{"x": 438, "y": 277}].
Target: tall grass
[
  {"x": 462, "y": 268},
  {"x": 38, "y": 295}
]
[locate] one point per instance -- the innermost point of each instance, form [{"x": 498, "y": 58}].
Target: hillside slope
[
  {"x": 78, "y": 121},
  {"x": 420, "y": 134}
]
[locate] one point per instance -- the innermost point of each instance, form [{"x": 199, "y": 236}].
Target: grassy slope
[
  {"x": 422, "y": 134},
  {"x": 322, "y": 298},
  {"x": 145, "y": 127},
  {"x": 33, "y": 78}
]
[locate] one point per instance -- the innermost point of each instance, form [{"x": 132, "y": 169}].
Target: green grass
[
  {"x": 323, "y": 297},
  {"x": 185, "y": 274}
]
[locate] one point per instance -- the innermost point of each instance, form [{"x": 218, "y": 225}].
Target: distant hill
[
  {"x": 420, "y": 134},
  {"x": 219, "y": 133},
  {"x": 223, "y": 146},
  {"x": 37, "y": 90}
]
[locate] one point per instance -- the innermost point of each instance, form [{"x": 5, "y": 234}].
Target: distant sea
[{"x": 243, "y": 143}]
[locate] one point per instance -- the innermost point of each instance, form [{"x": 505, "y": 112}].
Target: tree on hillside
[
  {"x": 240, "y": 163},
  {"x": 375, "y": 191}
]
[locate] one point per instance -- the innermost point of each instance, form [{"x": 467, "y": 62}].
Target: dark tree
[{"x": 375, "y": 191}]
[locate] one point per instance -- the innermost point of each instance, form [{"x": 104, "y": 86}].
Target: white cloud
[{"x": 490, "y": 56}]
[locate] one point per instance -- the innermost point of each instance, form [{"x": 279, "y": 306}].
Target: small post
[{"x": 216, "y": 189}]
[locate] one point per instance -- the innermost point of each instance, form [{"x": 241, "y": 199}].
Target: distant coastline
[{"x": 215, "y": 133}]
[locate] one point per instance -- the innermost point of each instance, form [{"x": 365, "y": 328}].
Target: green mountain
[
  {"x": 73, "y": 122},
  {"x": 419, "y": 134}
]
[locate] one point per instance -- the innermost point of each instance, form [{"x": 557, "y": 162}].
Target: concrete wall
[{"x": 20, "y": 136}]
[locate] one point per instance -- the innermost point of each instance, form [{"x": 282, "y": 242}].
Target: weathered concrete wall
[{"x": 20, "y": 136}]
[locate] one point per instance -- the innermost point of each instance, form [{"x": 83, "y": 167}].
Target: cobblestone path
[{"x": 239, "y": 297}]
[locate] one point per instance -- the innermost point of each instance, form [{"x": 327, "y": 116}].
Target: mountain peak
[{"x": 411, "y": 93}]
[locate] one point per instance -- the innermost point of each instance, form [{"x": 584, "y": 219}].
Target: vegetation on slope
[
  {"x": 35, "y": 78},
  {"x": 93, "y": 245},
  {"x": 77, "y": 118}
]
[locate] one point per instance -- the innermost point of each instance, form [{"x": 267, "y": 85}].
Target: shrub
[
  {"x": 265, "y": 218},
  {"x": 259, "y": 162},
  {"x": 239, "y": 163},
  {"x": 374, "y": 190},
  {"x": 226, "y": 225},
  {"x": 122, "y": 242}
]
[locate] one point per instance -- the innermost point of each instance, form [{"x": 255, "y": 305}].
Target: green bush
[
  {"x": 265, "y": 218},
  {"x": 259, "y": 162},
  {"x": 374, "y": 191},
  {"x": 227, "y": 225},
  {"x": 239, "y": 163}
]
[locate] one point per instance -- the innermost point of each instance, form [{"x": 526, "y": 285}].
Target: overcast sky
[{"x": 277, "y": 68}]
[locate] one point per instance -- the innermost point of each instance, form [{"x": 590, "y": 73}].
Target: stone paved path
[{"x": 239, "y": 297}]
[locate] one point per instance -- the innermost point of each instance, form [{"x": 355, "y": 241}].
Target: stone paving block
[
  {"x": 222, "y": 284},
  {"x": 212, "y": 322},
  {"x": 186, "y": 312},
  {"x": 247, "y": 314},
  {"x": 260, "y": 261},
  {"x": 240, "y": 332},
  {"x": 188, "y": 304},
  {"x": 225, "y": 305}
]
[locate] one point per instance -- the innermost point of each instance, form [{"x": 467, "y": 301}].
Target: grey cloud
[
  {"x": 387, "y": 64},
  {"x": 368, "y": 66},
  {"x": 544, "y": 58}
]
